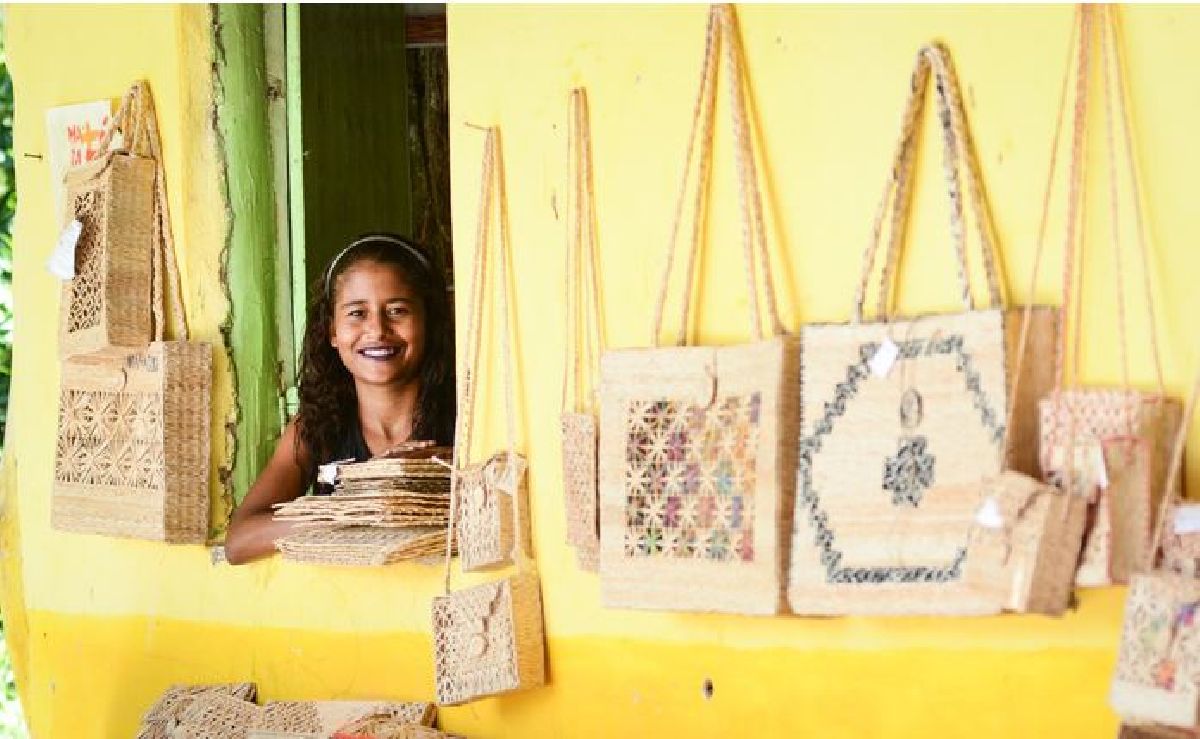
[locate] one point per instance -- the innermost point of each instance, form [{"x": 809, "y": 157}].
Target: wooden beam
[
  {"x": 249, "y": 258},
  {"x": 425, "y": 30}
]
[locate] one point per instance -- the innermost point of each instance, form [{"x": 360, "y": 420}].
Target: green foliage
[
  {"x": 8, "y": 207},
  {"x": 12, "y": 724}
]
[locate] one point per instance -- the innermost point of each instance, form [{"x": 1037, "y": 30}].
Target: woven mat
[
  {"x": 384, "y": 727},
  {"x": 384, "y": 511},
  {"x": 320, "y": 719},
  {"x": 384, "y": 468},
  {"x": 362, "y": 545}
]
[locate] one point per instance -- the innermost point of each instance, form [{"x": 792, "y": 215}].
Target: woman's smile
[{"x": 382, "y": 353}]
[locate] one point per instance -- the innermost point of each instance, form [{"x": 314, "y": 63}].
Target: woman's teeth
[{"x": 383, "y": 352}]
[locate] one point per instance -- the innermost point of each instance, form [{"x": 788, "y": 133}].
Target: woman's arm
[{"x": 252, "y": 531}]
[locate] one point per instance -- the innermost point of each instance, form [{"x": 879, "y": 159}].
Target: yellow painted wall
[{"x": 101, "y": 626}]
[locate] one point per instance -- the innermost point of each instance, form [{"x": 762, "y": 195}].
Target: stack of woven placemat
[
  {"x": 228, "y": 711},
  {"x": 325, "y": 719},
  {"x": 385, "y": 510},
  {"x": 212, "y": 711}
]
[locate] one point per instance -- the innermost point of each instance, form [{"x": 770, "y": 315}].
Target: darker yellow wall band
[{"x": 598, "y": 687}]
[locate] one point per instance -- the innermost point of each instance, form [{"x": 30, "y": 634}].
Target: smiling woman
[{"x": 376, "y": 371}]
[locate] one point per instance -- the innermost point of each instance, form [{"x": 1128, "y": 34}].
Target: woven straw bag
[
  {"x": 133, "y": 442},
  {"x": 1025, "y": 555},
  {"x": 106, "y": 306},
  {"x": 696, "y": 442},
  {"x": 488, "y": 491},
  {"x": 892, "y": 448},
  {"x": 133, "y": 427},
  {"x": 584, "y": 341},
  {"x": 488, "y": 639},
  {"x": 1155, "y": 731},
  {"x": 1157, "y": 678},
  {"x": 1111, "y": 445},
  {"x": 1121, "y": 445}
]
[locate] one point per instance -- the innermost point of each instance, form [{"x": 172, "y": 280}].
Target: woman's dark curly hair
[{"x": 328, "y": 404}]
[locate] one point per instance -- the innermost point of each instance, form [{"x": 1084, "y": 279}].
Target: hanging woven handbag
[
  {"x": 1110, "y": 445},
  {"x": 488, "y": 639},
  {"x": 584, "y": 338},
  {"x": 488, "y": 491},
  {"x": 105, "y": 307},
  {"x": 132, "y": 453},
  {"x": 1024, "y": 545},
  {"x": 697, "y": 442},
  {"x": 1157, "y": 678},
  {"x": 902, "y": 418}
]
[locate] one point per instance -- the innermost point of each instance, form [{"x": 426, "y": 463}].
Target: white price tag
[
  {"x": 62, "y": 260},
  {"x": 989, "y": 515},
  {"x": 1187, "y": 519},
  {"x": 885, "y": 356},
  {"x": 327, "y": 473}
]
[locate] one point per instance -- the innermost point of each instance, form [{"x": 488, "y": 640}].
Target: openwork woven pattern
[
  {"x": 384, "y": 727},
  {"x": 106, "y": 307},
  {"x": 1158, "y": 664},
  {"x": 1107, "y": 423},
  {"x": 488, "y": 639},
  {"x": 363, "y": 546},
  {"x": 166, "y": 713},
  {"x": 282, "y": 719},
  {"x": 579, "y": 449},
  {"x": 487, "y": 493},
  {"x": 86, "y": 289},
  {"x": 696, "y": 476},
  {"x": 690, "y": 478},
  {"x": 112, "y": 439},
  {"x": 133, "y": 444},
  {"x": 1028, "y": 563},
  {"x": 216, "y": 717}
]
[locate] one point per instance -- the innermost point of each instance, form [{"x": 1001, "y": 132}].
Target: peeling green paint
[{"x": 249, "y": 255}]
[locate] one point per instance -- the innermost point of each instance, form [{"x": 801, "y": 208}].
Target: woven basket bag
[
  {"x": 584, "y": 342},
  {"x": 106, "y": 306},
  {"x": 1025, "y": 556},
  {"x": 1157, "y": 678},
  {"x": 697, "y": 442},
  {"x": 488, "y": 491},
  {"x": 488, "y": 639},
  {"x": 892, "y": 448},
  {"x": 1110, "y": 445},
  {"x": 133, "y": 427}
]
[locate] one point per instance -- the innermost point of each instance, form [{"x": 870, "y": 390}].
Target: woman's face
[{"x": 378, "y": 324}]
